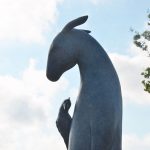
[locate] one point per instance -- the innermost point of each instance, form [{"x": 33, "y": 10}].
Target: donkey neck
[{"x": 94, "y": 65}]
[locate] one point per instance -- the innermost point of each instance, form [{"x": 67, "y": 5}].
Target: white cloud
[
  {"x": 97, "y": 2},
  {"x": 129, "y": 69},
  {"x": 131, "y": 142},
  {"x": 27, "y": 120},
  {"x": 27, "y": 20}
]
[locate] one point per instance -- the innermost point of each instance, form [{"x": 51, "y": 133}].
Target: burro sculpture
[{"x": 97, "y": 118}]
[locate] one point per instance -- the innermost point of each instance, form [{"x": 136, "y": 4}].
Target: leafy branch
[{"x": 142, "y": 40}]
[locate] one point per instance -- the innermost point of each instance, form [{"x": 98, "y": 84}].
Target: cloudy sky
[{"x": 29, "y": 103}]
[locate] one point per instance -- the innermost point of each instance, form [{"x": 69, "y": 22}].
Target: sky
[{"x": 29, "y": 103}]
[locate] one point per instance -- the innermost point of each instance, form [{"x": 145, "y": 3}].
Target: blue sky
[{"x": 29, "y": 102}]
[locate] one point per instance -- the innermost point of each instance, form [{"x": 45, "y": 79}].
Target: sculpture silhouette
[
  {"x": 97, "y": 118},
  {"x": 64, "y": 120}
]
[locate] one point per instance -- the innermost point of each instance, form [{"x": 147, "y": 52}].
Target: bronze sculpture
[
  {"x": 64, "y": 120},
  {"x": 97, "y": 118}
]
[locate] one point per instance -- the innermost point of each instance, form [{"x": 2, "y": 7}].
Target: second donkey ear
[
  {"x": 87, "y": 31},
  {"x": 75, "y": 23}
]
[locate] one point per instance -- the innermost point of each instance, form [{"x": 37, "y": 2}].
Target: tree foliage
[{"x": 142, "y": 40}]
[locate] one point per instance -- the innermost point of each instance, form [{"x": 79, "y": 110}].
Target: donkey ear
[
  {"x": 87, "y": 31},
  {"x": 75, "y": 23}
]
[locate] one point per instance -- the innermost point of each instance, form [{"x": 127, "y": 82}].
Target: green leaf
[
  {"x": 146, "y": 35},
  {"x": 138, "y": 44},
  {"x": 137, "y": 37}
]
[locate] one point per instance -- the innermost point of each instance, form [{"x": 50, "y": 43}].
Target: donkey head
[{"x": 62, "y": 54}]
